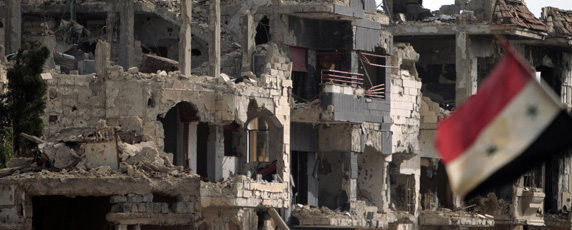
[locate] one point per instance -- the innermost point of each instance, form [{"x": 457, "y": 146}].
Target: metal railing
[
  {"x": 341, "y": 77},
  {"x": 377, "y": 91},
  {"x": 349, "y": 78},
  {"x": 363, "y": 56}
]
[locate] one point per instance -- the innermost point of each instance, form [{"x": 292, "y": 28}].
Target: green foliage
[
  {"x": 6, "y": 148},
  {"x": 24, "y": 102}
]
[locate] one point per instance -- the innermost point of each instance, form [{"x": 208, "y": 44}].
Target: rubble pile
[
  {"x": 308, "y": 215},
  {"x": 74, "y": 150}
]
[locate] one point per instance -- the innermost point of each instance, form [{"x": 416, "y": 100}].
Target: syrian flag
[{"x": 511, "y": 125}]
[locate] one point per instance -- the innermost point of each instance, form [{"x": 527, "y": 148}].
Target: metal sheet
[{"x": 298, "y": 55}]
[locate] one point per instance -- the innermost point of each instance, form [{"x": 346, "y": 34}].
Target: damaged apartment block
[{"x": 268, "y": 114}]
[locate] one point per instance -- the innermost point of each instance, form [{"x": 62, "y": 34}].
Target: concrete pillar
[
  {"x": 13, "y": 25},
  {"x": 248, "y": 44},
  {"x": 312, "y": 178},
  {"x": 354, "y": 61},
  {"x": 214, "y": 44},
  {"x": 110, "y": 28},
  {"x": 313, "y": 74},
  {"x": 127, "y": 39},
  {"x": 215, "y": 149},
  {"x": 466, "y": 68},
  {"x": 349, "y": 181},
  {"x": 185, "y": 37},
  {"x": 50, "y": 42},
  {"x": 102, "y": 55},
  {"x": 192, "y": 145}
]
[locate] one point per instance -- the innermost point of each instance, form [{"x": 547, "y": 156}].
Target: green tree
[{"x": 23, "y": 103}]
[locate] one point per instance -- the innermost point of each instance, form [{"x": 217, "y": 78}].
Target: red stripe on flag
[{"x": 459, "y": 131}]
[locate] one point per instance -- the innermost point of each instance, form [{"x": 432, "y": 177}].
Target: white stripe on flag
[{"x": 511, "y": 132}]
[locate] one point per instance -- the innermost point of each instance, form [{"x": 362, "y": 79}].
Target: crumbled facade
[{"x": 271, "y": 114}]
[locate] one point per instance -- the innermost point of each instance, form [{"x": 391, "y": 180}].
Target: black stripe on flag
[{"x": 556, "y": 138}]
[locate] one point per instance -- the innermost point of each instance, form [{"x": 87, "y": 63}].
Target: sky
[{"x": 533, "y": 5}]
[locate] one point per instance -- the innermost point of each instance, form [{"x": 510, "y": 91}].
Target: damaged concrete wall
[
  {"x": 133, "y": 101},
  {"x": 405, "y": 100},
  {"x": 372, "y": 180},
  {"x": 74, "y": 101}
]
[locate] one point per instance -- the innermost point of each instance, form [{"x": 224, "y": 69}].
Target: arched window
[{"x": 257, "y": 144}]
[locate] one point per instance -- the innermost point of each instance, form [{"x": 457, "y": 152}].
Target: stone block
[
  {"x": 121, "y": 208},
  {"x": 429, "y": 119},
  {"x": 134, "y": 198},
  {"x": 135, "y": 208},
  {"x": 10, "y": 215},
  {"x": 149, "y": 207},
  {"x": 183, "y": 198},
  {"x": 148, "y": 198},
  {"x": 274, "y": 72},
  {"x": 7, "y": 195},
  {"x": 182, "y": 207},
  {"x": 157, "y": 207},
  {"x": 118, "y": 199},
  {"x": 164, "y": 208},
  {"x": 141, "y": 207},
  {"x": 28, "y": 211}
]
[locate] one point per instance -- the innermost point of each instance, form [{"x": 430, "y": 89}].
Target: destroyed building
[{"x": 177, "y": 114}]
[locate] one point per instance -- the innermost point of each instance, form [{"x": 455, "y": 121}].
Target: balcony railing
[
  {"x": 349, "y": 78},
  {"x": 341, "y": 77},
  {"x": 377, "y": 91}
]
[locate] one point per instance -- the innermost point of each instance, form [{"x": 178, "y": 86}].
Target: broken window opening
[
  {"x": 262, "y": 31},
  {"x": 403, "y": 192},
  {"x": 435, "y": 190},
  {"x": 374, "y": 67},
  {"x": 533, "y": 178},
  {"x": 553, "y": 80},
  {"x": 305, "y": 178},
  {"x": 65, "y": 213},
  {"x": 196, "y": 52},
  {"x": 258, "y": 140},
  {"x": 299, "y": 91},
  {"x": 186, "y": 138},
  {"x": 231, "y": 137}
]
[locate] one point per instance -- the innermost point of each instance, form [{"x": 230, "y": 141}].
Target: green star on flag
[
  {"x": 532, "y": 111},
  {"x": 491, "y": 150}
]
